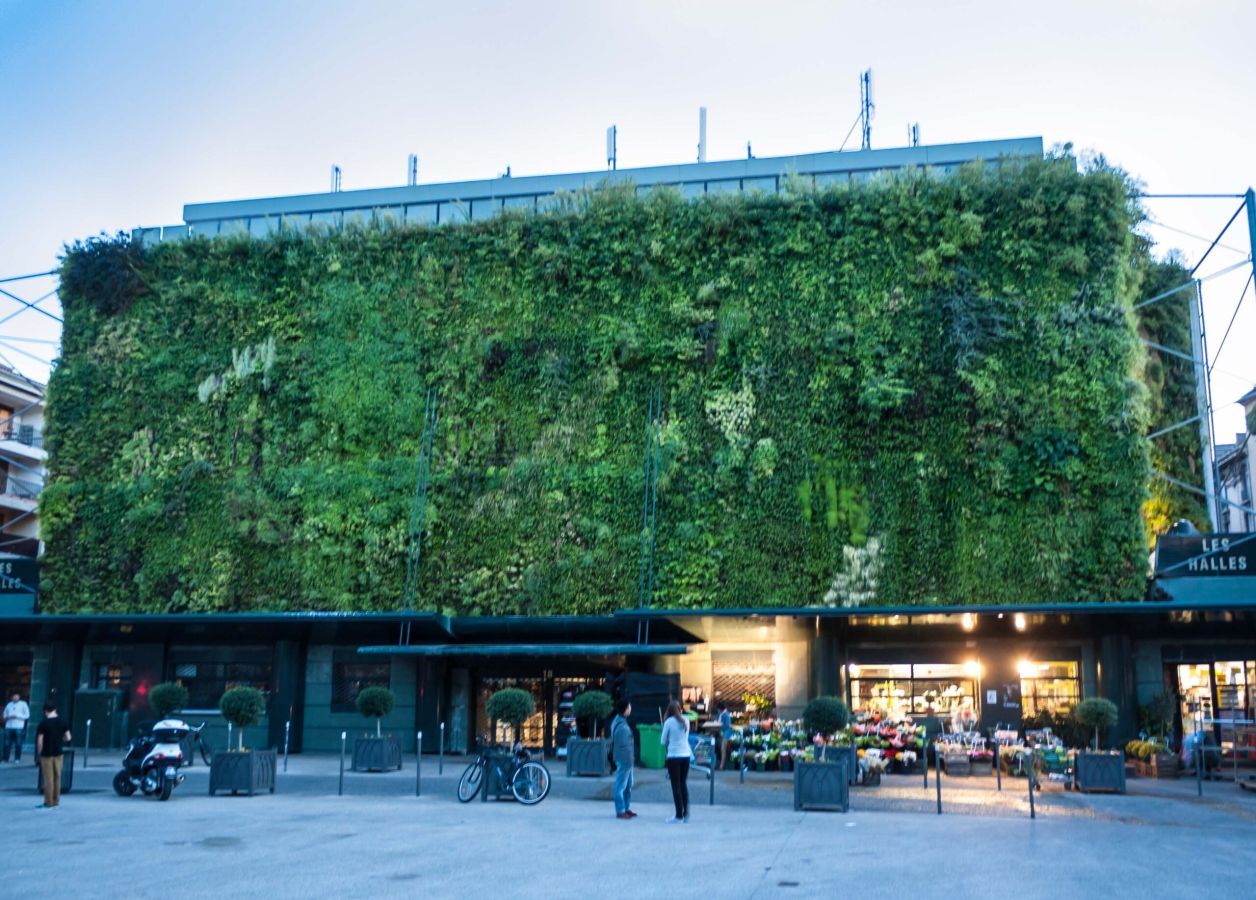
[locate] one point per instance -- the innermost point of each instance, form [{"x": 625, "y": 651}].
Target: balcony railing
[
  {"x": 23, "y": 434},
  {"x": 21, "y": 487}
]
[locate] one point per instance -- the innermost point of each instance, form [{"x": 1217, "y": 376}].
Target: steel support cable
[
  {"x": 35, "y": 303},
  {"x": 1211, "y": 275},
  {"x": 1187, "y": 196},
  {"x": 30, "y": 306},
  {"x": 28, "y": 340},
  {"x": 38, "y": 359},
  {"x": 1234, "y": 316},
  {"x": 1220, "y": 235},
  {"x": 1190, "y": 234},
  {"x": 27, "y": 277},
  {"x": 1201, "y": 492},
  {"x": 858, "y": 119}
]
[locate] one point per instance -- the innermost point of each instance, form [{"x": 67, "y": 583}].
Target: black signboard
[
  {"x": 19, "y": 576},
  {"x": 1179, "y": 556}
]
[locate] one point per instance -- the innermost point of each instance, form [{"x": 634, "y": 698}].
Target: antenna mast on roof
[
  {"x": 612, "y": 150},
  {"x": 867, "y": 107},
  {"x": 701, "y": 134},
  {"x": 412, "y": 170},
  {"x": 335, "y": 179},
  {"x": 913, "y": 134}
]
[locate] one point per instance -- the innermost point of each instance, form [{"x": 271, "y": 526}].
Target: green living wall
[{"x": 917, "y": 391}]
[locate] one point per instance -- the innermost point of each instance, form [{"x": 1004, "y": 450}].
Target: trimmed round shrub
[
  {"x": 1096, "y": 713},
  {"x": 166, "y": 698},
  {"x": 377, "y": 702},
  {"x": 512, "y": 706},
  {"x": 242, "y": 707},
  {"x": 594, "y": 706},
  {"x": 825, "y": 715}
]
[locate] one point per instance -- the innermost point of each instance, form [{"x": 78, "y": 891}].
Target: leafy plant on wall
[{"x": 917, "y": 390}]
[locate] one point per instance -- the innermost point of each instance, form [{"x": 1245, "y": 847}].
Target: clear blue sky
[{"x": 118, "y": 113}]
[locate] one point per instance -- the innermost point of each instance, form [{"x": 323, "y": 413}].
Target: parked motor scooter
[{"x": 153, "y": 760}]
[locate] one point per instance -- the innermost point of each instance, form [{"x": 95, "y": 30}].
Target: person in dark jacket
[{"x": 623, "y": 752}]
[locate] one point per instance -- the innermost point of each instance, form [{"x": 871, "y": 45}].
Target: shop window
[
  {"x": 1048, "y": 687},
  {"x": 350, "y": 677},
  {"x": 744, "y": 678},
  {"x": 208, "y": 674},
  {"x": 113, "y": 676},
  {"x": 15, "y": 679},
  {"x": 922, "y": 689},
  {"x": 533, "y": 730}
]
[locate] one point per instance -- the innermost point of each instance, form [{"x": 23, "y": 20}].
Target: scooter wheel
[
  {"x": 122, "y": 785},
  {"x": 167, "y": 785}
]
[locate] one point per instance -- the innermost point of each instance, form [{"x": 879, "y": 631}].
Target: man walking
[
  {"x": 623, "y": 752},
  {"x": 50, "y": 739},
  {"x": 16, "y": 715}
]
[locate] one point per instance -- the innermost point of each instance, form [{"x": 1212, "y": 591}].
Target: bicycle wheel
[
  {"x": 469, "y": 783},
  {"x": 207, "y": 755},
  {"x": 531, "y": 783}
]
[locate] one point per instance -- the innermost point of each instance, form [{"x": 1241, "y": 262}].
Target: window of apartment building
[
  {"x": 352, "y": 675},
  {"x": 208, "y": 673},
  {"x": 1048, "y": 687}
]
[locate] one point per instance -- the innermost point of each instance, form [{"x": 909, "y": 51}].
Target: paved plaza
[{"x": 380, "y": 840}]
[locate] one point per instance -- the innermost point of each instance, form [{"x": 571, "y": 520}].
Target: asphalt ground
[{"x": 380, "y": 840}]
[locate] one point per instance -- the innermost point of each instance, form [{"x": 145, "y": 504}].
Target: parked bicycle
[{"x": 527, "y": 779}]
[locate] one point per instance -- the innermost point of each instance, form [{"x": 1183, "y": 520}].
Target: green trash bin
[{"x": 653, "y": 753}]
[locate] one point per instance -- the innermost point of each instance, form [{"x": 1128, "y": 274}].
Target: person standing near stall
[
  {"x": 623, "y": 754},
  {"x": 16, "y": 715},
  {"x": 726, "y": 733},
  {"x": 676, "y": 739},
  {"x": 50, "y": 739}
]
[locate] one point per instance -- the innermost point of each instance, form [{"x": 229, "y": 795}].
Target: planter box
[
  {"x": 587, "y": 756},
  {"x": 377, "y": 754},
  {"x": 956, "y": 764},
  {"x": 247, "y": 772},
  {"x": 67, "y": 773},
  {"x": 822, "y": 786},
  {"x": 1160, "y": 765},
  {"x": 1100, "y": 772},
  {"x": 832, "y": 753}
]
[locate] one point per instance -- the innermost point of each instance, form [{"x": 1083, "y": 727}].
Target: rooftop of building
[{"x": 463, "y": 201}]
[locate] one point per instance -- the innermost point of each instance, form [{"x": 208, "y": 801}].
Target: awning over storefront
[{"x": 527, "y": 650}]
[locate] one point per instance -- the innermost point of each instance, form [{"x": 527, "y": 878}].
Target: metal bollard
[
  {"x": 287, "y": 731},
  {"x": 340, "y": 791},
  {"x": 418, "y": 764},
  {"x": 711, "y": 802},
  {"x": 937, "y": 775},
  {"x": 741, "y": 762},
  {"x": 998, "y": 767},
  {"x": 924, "y": 758},
  {"x": 87, "y": 742},
  {"x": 1032, "y": 778},
  {"x": 1199, "y": 767},
  {"x": 440, "y": 751}
]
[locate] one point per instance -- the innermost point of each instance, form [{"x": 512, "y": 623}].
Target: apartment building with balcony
[{"x": 22, "y": 460}]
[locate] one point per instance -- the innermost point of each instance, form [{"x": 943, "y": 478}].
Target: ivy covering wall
[{"x": 916, "y": 391}]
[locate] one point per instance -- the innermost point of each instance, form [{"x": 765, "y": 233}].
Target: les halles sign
[{"x": 1206, "y": 554}]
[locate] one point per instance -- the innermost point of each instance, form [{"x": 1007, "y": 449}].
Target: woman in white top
[{"x": 676, "y": 740}]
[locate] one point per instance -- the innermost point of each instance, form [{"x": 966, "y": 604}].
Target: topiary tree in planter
[
  {"x": 243, "y": 707},
  {"x": 1097, "y": 714},
  {"x": 594, "y": 706},
  {"x": 166, "y": 698},
  {"x": 825, "y": 715},
  {"x": 377, "y": 702},
  {"x": 512, "y": 706}
]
